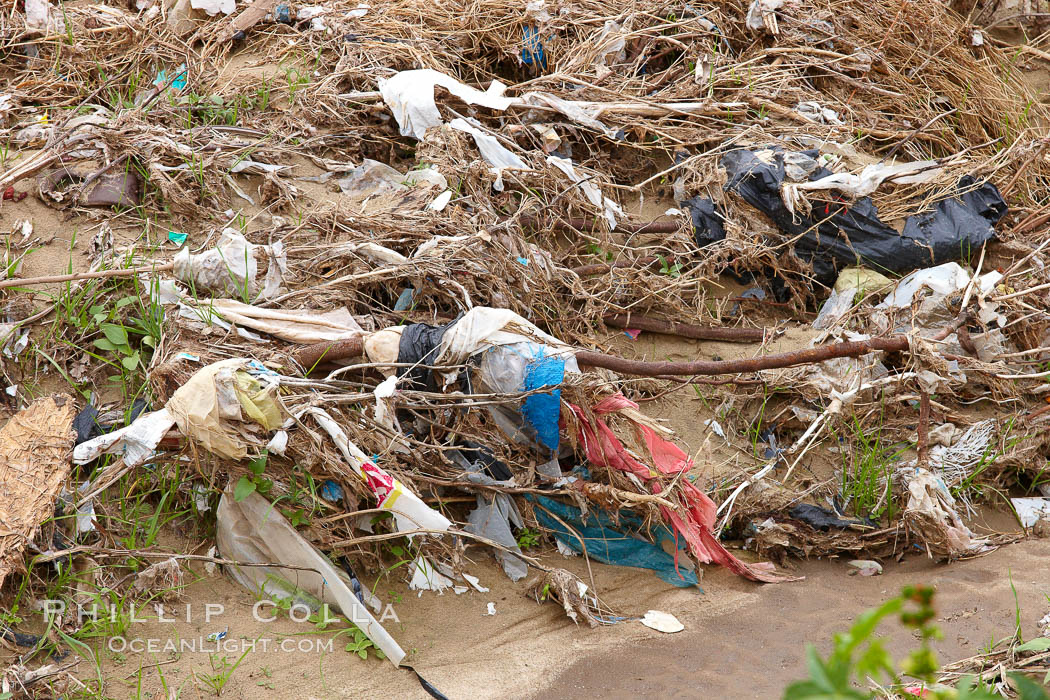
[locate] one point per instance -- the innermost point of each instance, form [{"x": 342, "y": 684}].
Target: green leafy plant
[
  {"x": 528, "y": 537},
  {"x": 222, "y": 668},
  {"x": 859, "y": 656},
  {"x": 255, "y": 481},
  {"x": 668, "y": 269}
]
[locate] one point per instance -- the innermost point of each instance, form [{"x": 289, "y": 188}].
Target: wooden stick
[{"x": 76, "y": 276}]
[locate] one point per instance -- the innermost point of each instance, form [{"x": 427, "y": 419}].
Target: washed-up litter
[
  {"x": 1031, "y": 510},
  {"x": 252, "y": 531},
  {"x": 603, "y": 541},
  {"x": 865, "y": 567},
  {"x": 375, "y": 293},
  {"x": 839, "y": 232}
]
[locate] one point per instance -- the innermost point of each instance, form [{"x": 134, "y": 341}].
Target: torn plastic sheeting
[
  {"x": 840, "y": 233},
  {"x": 87, "y": 426},
  {"x": 484, "y": 327},
  {"x": 489, "y": 520},
  {"x": 494, "y": 153},
  {"x": 942, "y": 280},
  {"x": 869, "y": 179},
  {"x": 372, "y": 178},
  {"x": 419, "y": 344},
  {"x": 373, "y": 251},
  {"x": 252, "y": 531},
  {"x": 575, "y": 111},
  {"x": 695, "y": 520},
  {"x": 299, "y": 326},
  {"x": 825, "y": 519},
  {"x": 135, "y": 443},
  {"x": 708, "y": 220},
  {"x": 1031, "y": 510},
  {"x": 604, "y": 543},
  {"x": 232, "y": 267},
  {"x": 254, "y": 167},
  {"x": 410, "y": 96},
  {"x": 425, "y": 577},
  {"x": 493, "y": 517},
  {"x": 610, "y": 209},
  {"x": 214, "y": 404},
  {"x": 410, "y": 512}
]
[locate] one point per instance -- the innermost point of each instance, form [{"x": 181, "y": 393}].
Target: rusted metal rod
[
  {"x": 685, "y": 330},
  {"x": 342, "y": 349},
  {"x": 310, "y": 355},
  {"x": 599, "y": 268},
  {"x": 641, "y": 368}
]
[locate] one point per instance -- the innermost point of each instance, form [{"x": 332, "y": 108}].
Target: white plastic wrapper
[{"x": 410, "y": 96}]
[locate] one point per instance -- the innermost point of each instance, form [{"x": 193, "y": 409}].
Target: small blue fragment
[
  {"x": 524, "y": 261},
  {"x": 331, "y": 491}
]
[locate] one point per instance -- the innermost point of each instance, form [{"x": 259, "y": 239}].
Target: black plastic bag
[
  {"x": 419, "y": 343},
  {"x": 840, "y": 233},
  {"x": 708, "y": 226}
]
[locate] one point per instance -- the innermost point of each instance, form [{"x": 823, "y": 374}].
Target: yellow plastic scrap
[{"x": 257, "y": 401}]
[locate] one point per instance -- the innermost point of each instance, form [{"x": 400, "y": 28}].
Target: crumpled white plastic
[
  {"x": 582, "y": 113},
  {"x": 214, "y": 7},
  {"x": 295, "y": 326},
  {"x": 410, "y": 96},
  {"x": 484, "y": 327},
  {"x": 867, "y": 181},
  {"x": 1031, "y": 510},
  {"x": 233, "y": 266},
  {"x": 135, "y": 442},
  {"x": 492, "y": 151},
  {"x": 942, "y": 280},
  {"x": 816, "y": 112}
]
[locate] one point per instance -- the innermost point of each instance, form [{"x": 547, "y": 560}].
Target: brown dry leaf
[{"x": 35, "y": 450}]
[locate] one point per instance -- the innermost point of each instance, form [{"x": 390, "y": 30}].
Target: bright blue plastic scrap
[
  {"x": 543, "y": 411},
  {"x": 533, "y": 49}
]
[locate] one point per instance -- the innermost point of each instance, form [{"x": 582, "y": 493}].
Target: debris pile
[{"x": 375, "y": 250}]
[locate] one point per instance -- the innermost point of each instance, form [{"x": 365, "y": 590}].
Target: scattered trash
[
  {"x": 253, "y": 531},
  {"x": 217, "y": 636},
  {"x": 602, "y": 542},
  {"x": 388, "y": 303},
  {"x": 850, "y": 233}
]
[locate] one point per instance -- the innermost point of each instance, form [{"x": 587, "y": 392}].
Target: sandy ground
[{"x": 742, "y": 640}]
